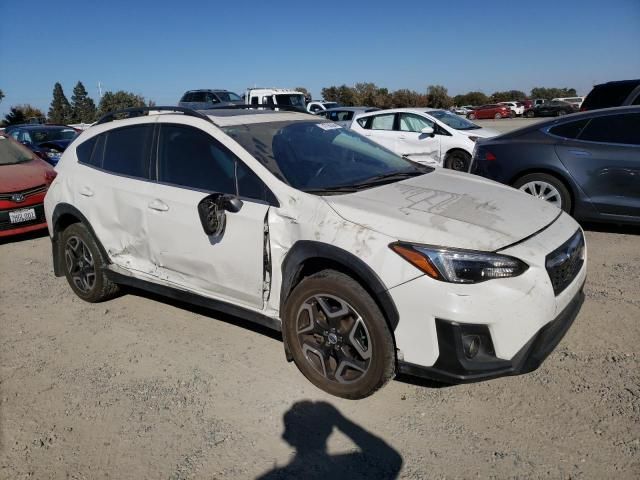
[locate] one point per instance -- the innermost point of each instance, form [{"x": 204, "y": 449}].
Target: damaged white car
[{"x": 368, "y": 263}]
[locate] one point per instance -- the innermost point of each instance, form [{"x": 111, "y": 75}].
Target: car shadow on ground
[
  {"x": 23, "y": 237},
  {"x": 307, "y": 428},
  {"x": 611, "y": 228}
]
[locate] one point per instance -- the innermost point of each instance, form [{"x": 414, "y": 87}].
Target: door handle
[
  {"x": 402, "y": 137},
  {"x": 580, "y": 153},
  {"x": 159, "y": 205},
  {"x": 86, "y": 192}
]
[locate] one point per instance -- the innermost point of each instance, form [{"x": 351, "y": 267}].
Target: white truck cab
[{"x": 271, "y": 97}]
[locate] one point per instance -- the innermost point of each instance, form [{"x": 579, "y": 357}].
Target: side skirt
[{"x": 194, "y": 299}]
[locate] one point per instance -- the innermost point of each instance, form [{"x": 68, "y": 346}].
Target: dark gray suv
[{"x": 207, "y": 99}]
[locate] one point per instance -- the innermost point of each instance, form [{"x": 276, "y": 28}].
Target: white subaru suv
[{"x": 368, "y": 263}]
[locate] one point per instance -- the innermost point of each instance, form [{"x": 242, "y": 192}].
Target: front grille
[
  {"x": 5, "y": 221},
  {"x": 26, "y": 193},
  {"x": 564, "y": 263}
]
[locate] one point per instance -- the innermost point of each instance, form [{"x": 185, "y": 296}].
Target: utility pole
[{"x": 99, "y": 90}]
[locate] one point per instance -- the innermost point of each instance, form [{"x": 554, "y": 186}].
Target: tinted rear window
[
  {"x": 608, "y": 95},
  {"x": 622, "y": 128},
  {"x": 84, "y": 152},
  {"x": 569, "y": 130},
  {"x": 127, "y": 151}
]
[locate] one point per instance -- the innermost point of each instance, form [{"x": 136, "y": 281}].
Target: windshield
[
  {"x": 12, "y": 153},
  {"x": 228, "y": 97},
  {"x": 292, "y": 99},
  {"x": 452, "y": 120},
  {"x": 319, "y": 155},
  {"x": 51, "y": 134}
]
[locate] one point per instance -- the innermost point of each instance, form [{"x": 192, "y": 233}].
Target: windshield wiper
[
  {"x": 388, "y": 178},
  {"x": 330, "y": 190}
]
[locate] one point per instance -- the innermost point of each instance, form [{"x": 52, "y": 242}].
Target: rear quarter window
[
  {"x": 622, "y": 129},
  {"x": 570, "y": 129}
]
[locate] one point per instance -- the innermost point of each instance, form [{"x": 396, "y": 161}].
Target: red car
[
  {"x": 490, "y": 111},
  {"x": 24, "y": 179}
]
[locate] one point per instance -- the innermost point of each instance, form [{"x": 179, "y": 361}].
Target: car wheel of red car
[
  {"x": 497, "y": 116},
  {"x": 471, "y": 116}
]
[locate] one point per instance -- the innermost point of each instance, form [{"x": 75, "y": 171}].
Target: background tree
[
  {"x": 60, "y": 110},
  {"x": 83, "y": 109},
  {"x": 407, "y": 98},
  {"x": 21, "y": 114},
  {"x": 549, "y": 93},
  {"x": 438, "y": 97},
  {"x": 471, "y": 98},
  {"x": 1, "y": 95},
  {"x": 307, "y": 94},
  {"x": 111, "y": 101},
  {"x": 508, "y": 96}
]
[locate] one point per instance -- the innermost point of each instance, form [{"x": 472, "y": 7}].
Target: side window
[
  {"x": 315, "y": 108},
  {"x": 250, "y": 185},
  {"x": 637, "y": 100},
  {"x": 382, "y": 122},
  {"x": 413, "y": 123},
  {"x": 622, "y": 128},
  {"x": 570, "y": 129},
  {"x": 333, "y": 116},
  {"x": 84, "y": 151},
  {"x": 254, "y": 101},
  {"x": 211, "y": 98},
  {"x": 190, "y": 158},
  {"x": 127, "y": 150}
]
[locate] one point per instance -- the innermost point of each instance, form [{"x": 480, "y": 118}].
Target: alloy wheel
[
  {"x": 333, "y": 338},
  {"x": 80, "y": 264},
  {"x": 544, "y": 191}
]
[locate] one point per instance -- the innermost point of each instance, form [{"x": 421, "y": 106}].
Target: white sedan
[{"x": 426, "y": 135}]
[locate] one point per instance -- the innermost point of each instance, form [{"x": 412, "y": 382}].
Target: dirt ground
[{"x": 139, "y": 387}]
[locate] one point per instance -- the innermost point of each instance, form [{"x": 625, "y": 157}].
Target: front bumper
[{"x": 453, "y": 366}]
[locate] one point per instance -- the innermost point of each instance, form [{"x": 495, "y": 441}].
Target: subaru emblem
[{"x": 17, "y": 198}]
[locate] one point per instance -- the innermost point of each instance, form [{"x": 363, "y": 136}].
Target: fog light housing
[{"x": 471, "y": 345}]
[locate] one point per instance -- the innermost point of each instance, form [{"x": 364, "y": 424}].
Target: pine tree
[
  {"x": 83, "y": 109},
  {"x": 60, "y": 110}
]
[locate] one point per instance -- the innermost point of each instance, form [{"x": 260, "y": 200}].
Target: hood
[
  {"x": 480, "y": 132},
  {"x": 447, "y": 208},
  {"x": 22, "y": 176}
]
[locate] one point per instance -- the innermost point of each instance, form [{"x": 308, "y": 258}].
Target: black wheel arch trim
[
  {"x": 304, "y": 250},
  {"x": 61, "y": 210}
]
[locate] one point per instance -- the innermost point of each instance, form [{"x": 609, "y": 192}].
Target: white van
[
  {"x": 287, "y": 99},
  {"x": 577, "y": 101}
]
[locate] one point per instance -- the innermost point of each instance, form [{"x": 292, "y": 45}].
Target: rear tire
[
  {"x": 85, "y": 265},
  {"x": 337, "y": 336},
  {"x": 530, "y": 114},
  {"x": 547, "y": 187},
  {"x": 458, "y": 161},
  {"x": 471, "y": 116}
]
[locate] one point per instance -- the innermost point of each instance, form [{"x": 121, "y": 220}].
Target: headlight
[
  {"x": 53, "y": 154},
  {"x": 459, "y": 266}
]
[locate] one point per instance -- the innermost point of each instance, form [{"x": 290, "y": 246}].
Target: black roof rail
[
  {"x": 242, "y": 106},
  {"x": 140, "y": 111}
]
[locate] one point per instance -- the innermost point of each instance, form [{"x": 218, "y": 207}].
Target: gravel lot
[{"x": 141, "y": 387}]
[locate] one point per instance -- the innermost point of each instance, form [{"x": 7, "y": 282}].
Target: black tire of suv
[
  {"x": 103, "y": 288},
  {"x": 530, "y": 114},
  {"x": 565, "y": 196},
  {"x": 382, "y": 362},
  {"x": 458, "y": 161}
]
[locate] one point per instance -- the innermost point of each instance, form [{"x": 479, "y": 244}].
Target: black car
[
  {"x": 207, "y": 99},
  {"x": 554, "y": 108},
  {"x": 46, "y": 141},
  {"x": 613, "y": 94},
  {"x": 588, "y": 164}
]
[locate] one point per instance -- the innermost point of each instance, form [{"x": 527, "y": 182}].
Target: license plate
[{"x": 23, "y": 215}]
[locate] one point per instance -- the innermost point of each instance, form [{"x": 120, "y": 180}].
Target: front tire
[
  {"x": 497, "y": 116},
  {"x": 337, "y": 336},
  {"x": 546, "y": 187},
  {"x": 458, "y": 161},
  {"x": 471, "y": 116},
  {"x": 85, "y": 265},
  {"x": 530, "y": 114}
]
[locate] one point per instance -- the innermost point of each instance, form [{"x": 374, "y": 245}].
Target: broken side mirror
[{"x": 212, "y": 211}]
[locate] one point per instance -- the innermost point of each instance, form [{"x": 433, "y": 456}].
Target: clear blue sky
[{"x": 161, "y": 48}]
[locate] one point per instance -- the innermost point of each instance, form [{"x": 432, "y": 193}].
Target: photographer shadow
[{"x": 307, "y": 427}]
